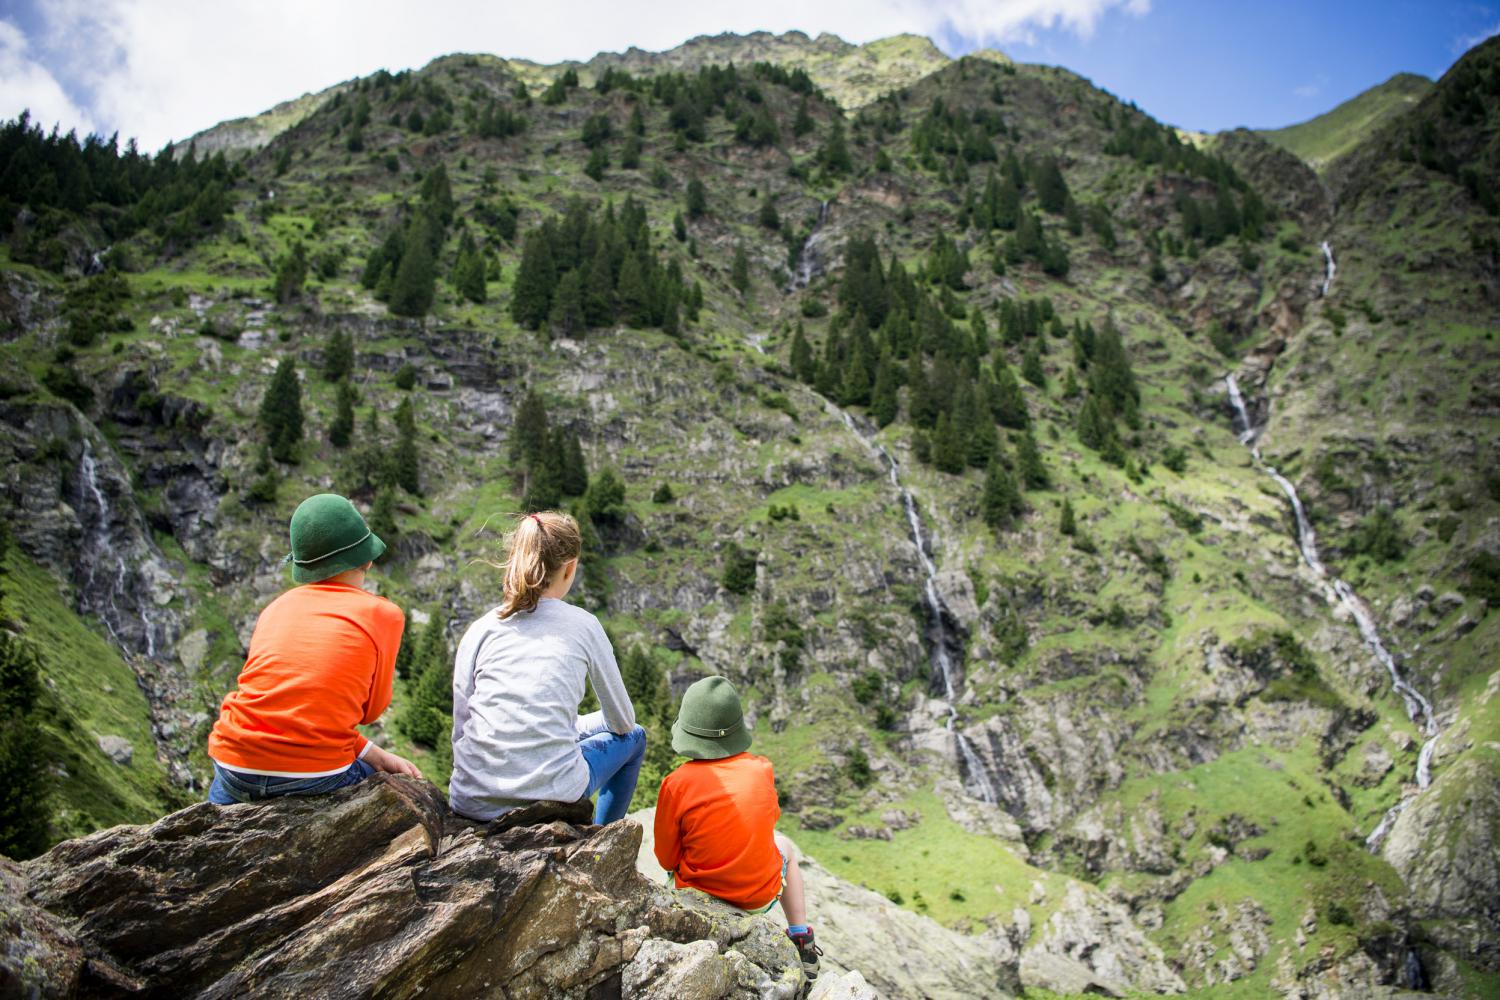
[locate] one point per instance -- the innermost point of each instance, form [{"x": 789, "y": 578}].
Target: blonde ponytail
[{"x": 538, "y": 547}]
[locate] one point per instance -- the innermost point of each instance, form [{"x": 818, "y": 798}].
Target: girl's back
[{"x": 517, "y": 683}]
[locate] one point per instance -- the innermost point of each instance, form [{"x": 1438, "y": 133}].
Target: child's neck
[{"x": 349, "y": 578}]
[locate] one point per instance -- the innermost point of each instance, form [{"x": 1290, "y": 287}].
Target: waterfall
[
  {"x": 102, "y": 597},
  {"x": 1338, "y": 591},
  {"x": 941, "y": 640},
  {"x": 807, "y": 260},
  {"x": 1329, "y": 268}
]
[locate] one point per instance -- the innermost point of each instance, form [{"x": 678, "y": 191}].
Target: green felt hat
[
  {"x": 710, "y": 724},
  {"x": 328, "y": 537}
]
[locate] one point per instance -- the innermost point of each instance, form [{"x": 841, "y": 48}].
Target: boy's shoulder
[{"x": 312, "y": 595}]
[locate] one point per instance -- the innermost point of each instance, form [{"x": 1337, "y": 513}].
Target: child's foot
[{"x": 808, "y": 951}]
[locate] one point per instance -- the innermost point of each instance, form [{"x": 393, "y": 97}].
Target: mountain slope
[
  {"x": 949, "y": 433},
  {"x": 1323, "y": 139}
]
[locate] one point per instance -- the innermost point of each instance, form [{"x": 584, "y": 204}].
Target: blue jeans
[
  {"x": 614, "y": 765},
  {"x": 230, "y": 787}
]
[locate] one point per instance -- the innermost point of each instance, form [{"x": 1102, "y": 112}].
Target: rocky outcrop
[
  {"x": 1446, "y": 846},
  {"x": 1090, "y": 945},
  {"x": 903, "y": 955},
  {"x": 375, "y": 890}
]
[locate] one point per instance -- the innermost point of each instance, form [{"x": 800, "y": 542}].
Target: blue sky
[
  {"x": 1211, "y": 66},
  {"x": 165, "y": 69}
]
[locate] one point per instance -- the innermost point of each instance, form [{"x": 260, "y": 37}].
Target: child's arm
[
  {"x": 614, "y": 700},
  {"x": 464, "y": 663}
]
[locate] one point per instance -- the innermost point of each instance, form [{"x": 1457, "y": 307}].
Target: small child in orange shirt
[
  {"x": 321, "y": 662},
  {"x": 716, "y": 817}
]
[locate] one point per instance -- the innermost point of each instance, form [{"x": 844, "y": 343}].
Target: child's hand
[{"x": 384, "y": 760}]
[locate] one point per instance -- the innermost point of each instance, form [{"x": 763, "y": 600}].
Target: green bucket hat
[
  {"x": 710, "y": 724},
  {"x": 328, "y": 537}
]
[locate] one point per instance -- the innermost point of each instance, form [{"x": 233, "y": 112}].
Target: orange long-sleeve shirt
[
  {"x": 715, "y": 821},
  {"x": 321, "y": 662}
]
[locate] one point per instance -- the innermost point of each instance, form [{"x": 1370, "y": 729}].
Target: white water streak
[
  {"x": 937, "y": 612},
  {"x": 1330, "y": 268},
  {"x": 1338, "y": 591}
]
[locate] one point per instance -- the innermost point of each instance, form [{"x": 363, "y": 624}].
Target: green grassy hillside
[{"x": 1323, "y": 139}]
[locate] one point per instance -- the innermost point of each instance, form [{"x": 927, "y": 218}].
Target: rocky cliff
[{"x": 374, "y": 891}]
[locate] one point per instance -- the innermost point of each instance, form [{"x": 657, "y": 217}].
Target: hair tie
[{"x": 539, "y": 525}]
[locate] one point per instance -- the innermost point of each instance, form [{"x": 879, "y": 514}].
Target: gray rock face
[
  {"x": 374, "y": 890},
  {"x": 1446, "y": 847},
  {"x": 117, "y": 749},
  {"x": 1090, "y": 945}
]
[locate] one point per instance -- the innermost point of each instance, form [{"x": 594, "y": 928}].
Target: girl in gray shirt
[{"x": 518, "y": 680}]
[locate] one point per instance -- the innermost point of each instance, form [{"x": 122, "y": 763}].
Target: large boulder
[{"x": 373, "y": 890}]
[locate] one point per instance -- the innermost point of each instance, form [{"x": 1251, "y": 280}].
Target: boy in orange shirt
[
  {"x": 716, "y": 817},
  {"x": 321, "y": 662}
]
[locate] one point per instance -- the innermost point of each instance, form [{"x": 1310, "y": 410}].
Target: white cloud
[
  {"x": 164, "y": 69},
  {"x": 1307, "y": 90},
  {"x": 1464, "y": 43},
  {"x": 27, "y": 84}
]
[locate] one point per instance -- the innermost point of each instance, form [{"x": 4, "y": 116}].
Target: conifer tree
[
  {"x": 567, "y": 317},
  {"x": 414, "y": 285},
  {"x": 291, "y": 272},
  {"x": 338, "y": 356},
  {"x": 605, "y": 497},
  {"x": 739, "y": 274},
  {"x": 1009, "y": 402},
  {"x": 634, "y": 292},
  {"x": 803, "y": 123},
  {"x": 404, "y": 655},
  {"x": 1065, "y": 522},
  {"x": 531, "y": 299},
  {"x": 341, "y": 430},
  {"x": 407, "y": 463},
  {"x": 1031, "y": 367},
  {"x": 281, "y": 412},
  {"x": 25, "y": 778},
  {"x": 834, "y": 156},
  {"x": 1000, "y": 502},
  {"x": 948, "y": 452},
  {"x": 697, "y": 199},
  {"x": 884, "y": 405},
  {"x": 803, "y": 364},
  {"x": 544, "y": 489},
  {"x": 769, "y": 217},
  {"x": 1029, "y": 467},
  {"x": 575, "y": 471},
  {"x": 983, "y": 443},
  {"x": 530, "y": 434},
  {"x": 469, "y": 270},
  {"x": 437, "y": 194}
]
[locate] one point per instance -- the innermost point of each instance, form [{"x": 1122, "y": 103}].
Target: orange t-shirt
[
  {"x": 714, "y": 825},
  {"x": 321, "y": 662}
]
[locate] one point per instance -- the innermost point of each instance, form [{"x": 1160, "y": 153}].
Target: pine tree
[
  {"x": 468, "y": 270},
  {"x": 769, "y": 217},
  {"x": 575, "y": 470},
  {"x": 834, "y": 156},
  {"x": 597, "y": 163},
  {"x": 1009, "y": 402},
  {"x": 291, "y": 272},
  {"x": 1065, "y": 523},
  {"x": 605, "y": 497},
  {"x": 948, "y": 452},
  {"x": 739, "y": 274},
  {"x": 803, "y": 364},
  {"x": 634, "y": 292},
  {"x": 404, "y": 655},
  {"x": 1029, "y": 467},
  {"x": 1000, "y": 501},
  {"x": 437, "y": 194},
  {"x": 25, "y": 775},
  {"x": 1051, "y": 188},
  {"x": 803, "y": 123},
  {"x": 530, "y": 435},
  {"x": 341, "y": 430},
  {"x": 566, "y": 317},
  {"x": 408, "y": 466},
  {"x": 338, "y": 356},
  {"x": 697, "y": 199},
  {"x": 1031, "y": 367},
  {"x": 415, "y": 283},
  {"x": 884, "y": 405},
  {"x": 281, "y": 412},
  {"x": 531, "y": 299}
]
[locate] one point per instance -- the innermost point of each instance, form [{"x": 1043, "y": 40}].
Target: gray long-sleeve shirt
[{"x": 517, "y": 684}]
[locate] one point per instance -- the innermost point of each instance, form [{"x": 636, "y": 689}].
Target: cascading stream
[
  {"x": 807, "y": 258},
  {"x": 103, "y": 597},
  {"x": 1338, "y": 592},
  {"x": 940, "y": 638},
  {"x": 1329, "y": 268}
]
